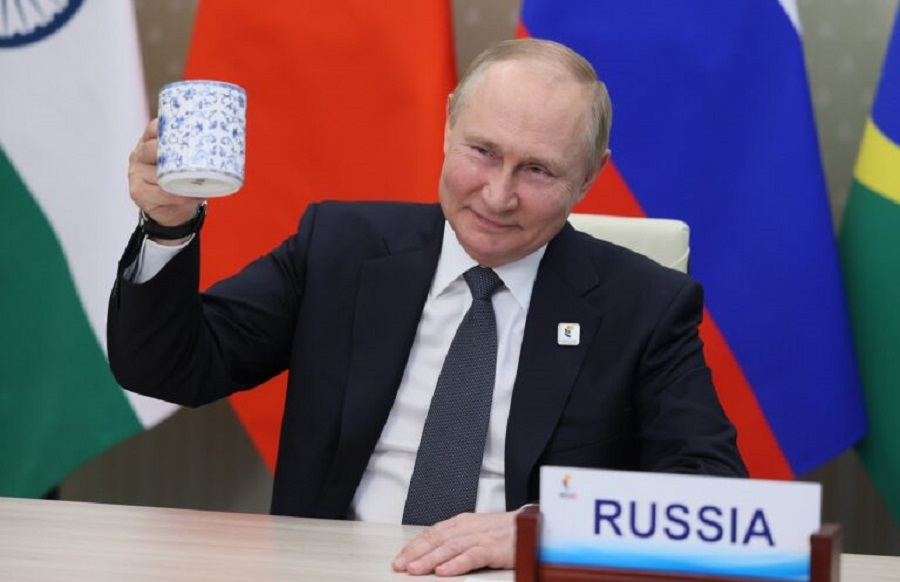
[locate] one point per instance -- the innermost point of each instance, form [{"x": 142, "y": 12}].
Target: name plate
[{"x": 678, "y": 523}]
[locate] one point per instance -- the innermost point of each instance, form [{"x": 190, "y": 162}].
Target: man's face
[{"x": 515, "y": 161}]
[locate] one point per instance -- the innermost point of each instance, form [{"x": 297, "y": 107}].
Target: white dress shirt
[{"x": 381, "y": 494}]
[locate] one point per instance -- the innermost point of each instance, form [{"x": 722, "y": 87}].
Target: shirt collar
[{"x": 518, "y": 276}]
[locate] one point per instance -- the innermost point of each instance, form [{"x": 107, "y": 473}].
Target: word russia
[{"x": 679, "y": 522}]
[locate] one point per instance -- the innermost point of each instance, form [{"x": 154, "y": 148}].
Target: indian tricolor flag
[
  {"x": 870, "y": 252},
  {"x": 713, "y": 124},
  {"x": 72, "y": 107},
  {"x": 346, "y": 101}
]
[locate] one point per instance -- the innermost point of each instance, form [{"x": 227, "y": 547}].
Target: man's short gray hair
[{"x": 554, "y": 54}]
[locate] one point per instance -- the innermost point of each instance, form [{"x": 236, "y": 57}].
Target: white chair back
[{"x": 666, "y": 241}]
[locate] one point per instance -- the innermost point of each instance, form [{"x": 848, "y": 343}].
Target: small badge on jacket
[{"x": 568, "y": 334}]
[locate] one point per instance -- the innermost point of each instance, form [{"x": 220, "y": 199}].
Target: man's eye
[
  {"x": 538, "y": 171},
  {"x": 481, "y": 151}
]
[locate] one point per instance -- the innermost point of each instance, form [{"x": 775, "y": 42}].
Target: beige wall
[{"x": 202, "y": 458}]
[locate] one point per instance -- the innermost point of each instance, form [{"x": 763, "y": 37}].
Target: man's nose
[{"x": 500, "y": 191}]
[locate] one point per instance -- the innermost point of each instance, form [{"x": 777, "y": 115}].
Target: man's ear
[
  {"x": 592, "y": 175},
  {"x": 447, "y": 124}
]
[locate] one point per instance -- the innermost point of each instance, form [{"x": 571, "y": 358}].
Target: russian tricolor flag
[{"x": 713, "y": 124}]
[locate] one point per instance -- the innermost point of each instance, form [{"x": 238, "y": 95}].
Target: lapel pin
[{"x": 568, "y": 334}]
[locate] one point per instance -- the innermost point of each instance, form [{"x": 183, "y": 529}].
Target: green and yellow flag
[{"x": 870, "y": 253}]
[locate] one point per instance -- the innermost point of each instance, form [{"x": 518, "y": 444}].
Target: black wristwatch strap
[{"x": 154, "y": 229}]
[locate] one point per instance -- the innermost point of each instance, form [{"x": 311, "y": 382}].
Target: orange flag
[{"x": 345, "y": 100}]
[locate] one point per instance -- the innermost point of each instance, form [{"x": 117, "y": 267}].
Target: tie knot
[{"x": 483, "y": 282}]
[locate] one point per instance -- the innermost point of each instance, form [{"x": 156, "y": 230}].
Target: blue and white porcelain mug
[{"x": 202, "y": 138}]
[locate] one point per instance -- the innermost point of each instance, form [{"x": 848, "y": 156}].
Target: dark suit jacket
[{"x": 338, "y": 305}]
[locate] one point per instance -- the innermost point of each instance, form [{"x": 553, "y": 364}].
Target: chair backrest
[{"x": 666, "y": 241}]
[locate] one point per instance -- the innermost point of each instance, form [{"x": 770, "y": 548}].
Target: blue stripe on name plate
[{"x": 781, "y": 566}]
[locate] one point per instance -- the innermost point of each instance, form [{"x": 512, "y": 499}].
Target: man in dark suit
[{"x": 598, "y": 361}]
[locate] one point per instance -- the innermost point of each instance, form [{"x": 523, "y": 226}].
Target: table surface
[{"x": 68, "y": 541}]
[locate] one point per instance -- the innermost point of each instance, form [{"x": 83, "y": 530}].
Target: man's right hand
[{"x": 165, "y": 208}]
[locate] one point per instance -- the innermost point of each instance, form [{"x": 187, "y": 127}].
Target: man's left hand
[{"x": 461, "y": 544}]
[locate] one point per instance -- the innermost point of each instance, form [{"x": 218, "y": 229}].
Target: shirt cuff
[{"x": 151, "y": 259}]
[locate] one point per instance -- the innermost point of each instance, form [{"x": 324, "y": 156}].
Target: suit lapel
[
  {"x": 547, "y": 370},
  {"x": 391, "y": 294}
]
